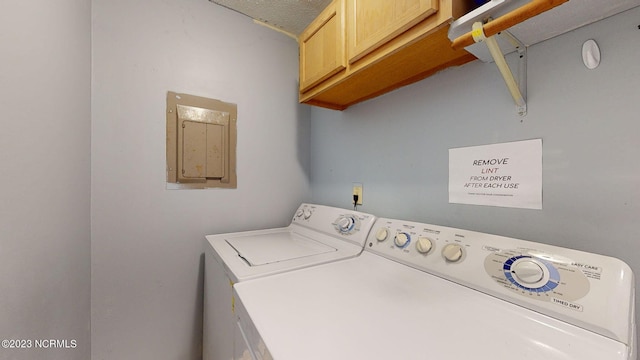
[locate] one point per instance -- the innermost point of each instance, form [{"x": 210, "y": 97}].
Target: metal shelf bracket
[{"x": 518, "y": 89}]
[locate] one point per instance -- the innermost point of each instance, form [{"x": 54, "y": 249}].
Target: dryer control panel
[
  {"x": 570, "y": 285},
  {"x": 539, "y": 276}
]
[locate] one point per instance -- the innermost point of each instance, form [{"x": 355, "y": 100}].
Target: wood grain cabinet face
[
  {"x": 371, "y": 23},
  {"x": 389, "y": 44},
  {"x": 322, "y": 47}
]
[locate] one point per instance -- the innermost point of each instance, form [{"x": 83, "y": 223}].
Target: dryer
[
  {"x": 421, "y": 292},
  {"x": 316, "y": 235}
]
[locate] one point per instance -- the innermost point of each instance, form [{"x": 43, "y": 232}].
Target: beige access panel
[{"x": 201, "y": 142}]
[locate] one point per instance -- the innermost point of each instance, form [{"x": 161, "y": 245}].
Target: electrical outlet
[{"x": 357, "y": 190}]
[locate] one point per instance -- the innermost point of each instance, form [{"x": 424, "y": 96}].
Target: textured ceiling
[
  {"x": 289, "y": 16},
  {"x": 293, "y": 16}
]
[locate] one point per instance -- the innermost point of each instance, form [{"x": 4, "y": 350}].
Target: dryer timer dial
[{"x": 527, "y": 272}]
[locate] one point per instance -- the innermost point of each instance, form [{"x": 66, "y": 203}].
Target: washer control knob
[
  {"x": 402, "y": 239},
  {"x": 307, "y": 213},
  {"x": 527, "y": 272},
  {"x": 452, "y": 252},
  {"x": 299, "y": 213},
  {"x": 346, "y": 223},
  {"x": 424, "y": 245},
  {"x": 382, "y": 234}
]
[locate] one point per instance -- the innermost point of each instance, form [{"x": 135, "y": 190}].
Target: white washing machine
[
  {"x": 317, "y": 235},
  {"x": 421, "y": 291}
]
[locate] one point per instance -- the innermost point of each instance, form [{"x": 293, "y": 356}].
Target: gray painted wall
[
  {"x": 147, "y": 242},
  {"x": 397, "y": 145},
  {"x": 45, "y": 186},
  {"x": 145, "y": 254}
]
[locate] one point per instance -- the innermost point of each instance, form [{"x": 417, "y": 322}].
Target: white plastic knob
[
  {"x": 423, "y": 245},
  {"x": 452, "y": 252},
  {"x": 299, "y": 213},
  {"x": 527, "y": 272},
  {"x": 345, "y": 224},
  {"x": 402, "y": 239},
  {"x": 307, "y": 213},
  {"x": 382, "y": 234}
]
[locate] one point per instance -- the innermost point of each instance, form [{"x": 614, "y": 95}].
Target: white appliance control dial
[
  {"x": 424, "y": 244},
  {"x": 527, "y": 272},
  {"x": 535, "y": 274},
  {"x": 402, "y": 239},
  {"x": 382, "y": 234},
  {"x": 541, "y": 276},
  {"x": 346, "y": 224},
  {"x": 452, "y": 252},
  {"x": 307, "y": 213}
]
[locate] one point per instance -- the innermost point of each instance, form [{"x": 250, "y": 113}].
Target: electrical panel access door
[{"x": 201, "y": 142}]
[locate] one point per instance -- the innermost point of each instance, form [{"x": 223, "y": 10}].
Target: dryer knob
[
  {"x": 527, "y": 272},
  {"x": 299, "y": 213},
  {"x": 452, "y": 252},
  {"x": 307, "y": 213},
  {"x": 424, "y": 245},
  {"x": 382, "y": 234},
  {"x": 402, "y": 239}
]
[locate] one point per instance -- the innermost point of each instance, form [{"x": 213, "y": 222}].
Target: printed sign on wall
[{"x": 507, "y": 175}]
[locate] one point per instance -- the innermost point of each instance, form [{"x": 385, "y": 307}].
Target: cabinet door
[
  {"x": 371, "y": 23},
  {"x": 322, "y": 47}
]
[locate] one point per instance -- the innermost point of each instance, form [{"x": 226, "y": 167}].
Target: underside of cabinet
[{"x": 415, "y": 61}]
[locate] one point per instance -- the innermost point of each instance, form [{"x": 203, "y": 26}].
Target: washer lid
[{"x": 274, "y": 247}]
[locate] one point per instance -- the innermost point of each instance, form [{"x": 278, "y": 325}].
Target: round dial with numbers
[
  {"x": 532, "y": 274},
  {"x": 537, "y": 275},
  {"x": 527, "y": 272}
]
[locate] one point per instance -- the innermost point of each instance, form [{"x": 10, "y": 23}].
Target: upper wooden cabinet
[
  {"x": 359, "y": 49},
  {"x": 322, "y": 47},
  {"x": 372, "y": 23}
]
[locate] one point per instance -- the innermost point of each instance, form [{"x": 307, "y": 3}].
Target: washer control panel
[
  {"x": 570, "y": 285},
  {"x": 353, "y": 226}
]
